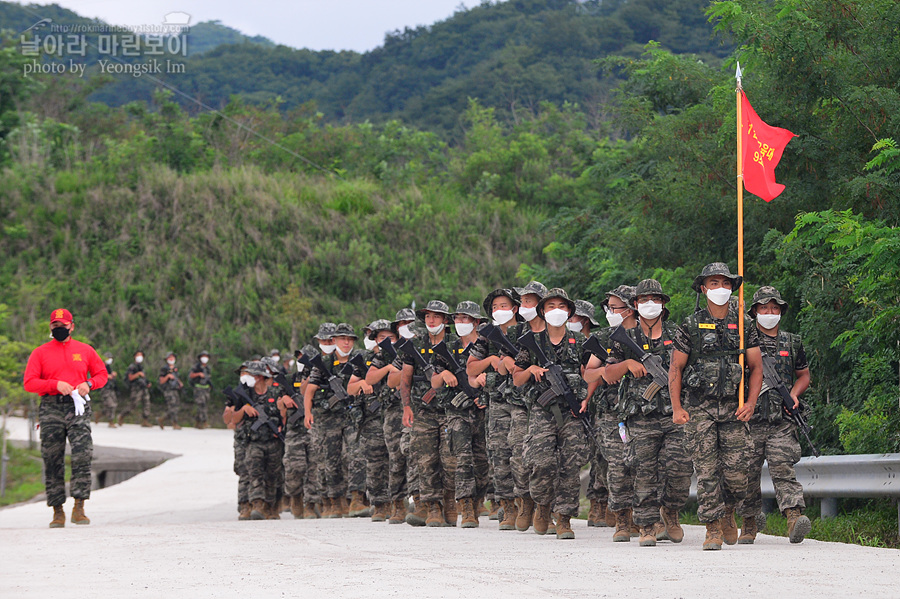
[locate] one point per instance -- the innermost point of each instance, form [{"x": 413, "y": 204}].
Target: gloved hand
[{"x": 80, "y": 401}]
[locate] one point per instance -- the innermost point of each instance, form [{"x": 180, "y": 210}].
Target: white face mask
[
  {"x": 435, "y": 330},
  {"x": 109, "y": 361},
  {"x": 650, "y": 310},
  {"x": 768, "y": 321},
  {"x": 327, "y": 349},
  {"x": 248, "y": 380},
  {"x": 170, "y": 362},
  {"x": 556, "y": 317},
  {"x": 204, "y": 360},
  {"x": 502, "y": 316},
  {"x": 369, "y": 343},
  {"x": 575, "y": 327},
  {"x": 464, "y": 328},
  {"x": 276, "y": 358},
  {"x": 528, "y": 313},
  {"x": 718, "y": 296},
  {"x": 139, "y": 359},
  {"x": 342, "y": 354},
  {"x": 405, "y": 332},
  {"x": 614, "y": 318}
]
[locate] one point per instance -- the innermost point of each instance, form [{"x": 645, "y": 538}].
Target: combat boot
[
  {"x": 798, "y": 524},
  {"x": 258, "y": 509},
  {"x": 610, "y": 517},
  {"x": 451, "y": 512},
  {"x": 541, "y": 519},
  {"x": 748, "y": 531},
  {"x": 714, "y": 539},
  {"x": 482, "y": 510},
  {"x": 564, "y": 528},
  {"x": 112, "y": 423},
  {"x": 551, "y": 529},
  {"x": 659, "y": 531},
  {"x": 176, "y": 426},
  {"x": 161, "y": 422},
  {"x": 120, "y": 419},
  {"x": 496, "y": 508},
  {"x": 357, "y": 505},
  {"x": 419, "y": 514},
  {"x": 145, "y": 423},
  {"x": 467, "y": 509},
  {"x": 78, "y": 516},
  {"x": 526, "y": 513},
  {"x": 398, "y": 511},
  {"x": 509, "y": 515},
  {"x": 342, "y": 507},
  {"x": 244, "y": 510},
  {"x": 309, "y": 511},
  {"x": 648, "y": 536},
  {"x": 729, "y": 526},
  {"x": 329, "y": 508},
  {"x": 380, "y": 512},
  {"x": 274, "y": 510},
  {"x": 297, "y": 506},
  {"x": 595, "y": 515},
  {"x": 633, "y": 528},
  {"x": 435, "y": 517},
  {"x": 59, "y": 517},
  {"x": 673, "y": 527},
  {"x": 623, "y": 524}
]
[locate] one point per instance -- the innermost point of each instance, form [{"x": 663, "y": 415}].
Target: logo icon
[{"x": 39, "y": 25}]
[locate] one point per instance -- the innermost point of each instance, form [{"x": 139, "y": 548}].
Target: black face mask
[{"x": 60, "y": 333}]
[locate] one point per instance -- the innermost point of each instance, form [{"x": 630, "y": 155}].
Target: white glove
[{"x": 80, "y": 401}]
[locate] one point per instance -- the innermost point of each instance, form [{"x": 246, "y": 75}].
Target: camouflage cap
[
  {"x": 436, "y": 306},
  {"x": 169, "y": 353},
  {"x": 203, "y": 353},
  {"x": 586, "y": 309},
  {"x": 469, "y": 309},
  {"x": 307, "y": 350},
  {"x": 623, "y": 292},
  {"x": 764, "y": 295},
  {"x": 243, "y": 366},
  {"x": 403, "y": 314},
  {"x": 648, "y": 287},
  {"x": 556, "y": 293},
  {"x": 376, "y": 326},
  {"x": 502, "y": 292},
  {"x": 258, "y": 368},
  {"x": 275, "y": 352},
  {"x": 713, "y": 269},
  {"x": 269, "y": 363},
  {"x": 326, "y": 331},
  {"x": 345, "y": 330},
  {"x": 107, "y": 354},
  {"x": 535, "y": 287}
]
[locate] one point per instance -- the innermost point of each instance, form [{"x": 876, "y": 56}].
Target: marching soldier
[
  {"x": 139, "y": 390},
  {"x": 108, "y": 393},
  {"x": 171, "y": 387},
  {"x": 200, "y": 378}
]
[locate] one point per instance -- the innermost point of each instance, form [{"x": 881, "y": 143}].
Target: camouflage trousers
[
  {"x": 498, "y": 423},
  {"x": 719, "y": 445},
  {"x": 201, "y": 399},
  {"x": 619, "y": 474},
  {"x": 396, "y": 439},
  {"x": 240, "y": 464},
  {"x": 597, "y": 489},
  {"x": 312, "y": 485},
  {"x": 265, "y": 470},
  {"x": 110, "y": 402},
  {"x": 173, "y": 402},
  {"x": 779, "y": 444},
  {"x": 375, "y": 452},
  {"x": 329, "y": 427},
  {"x": 469, "y": 447},
  {"x": 354, "y": 459},
  {"x": 662, "y": 466},
  {"x": 518, "y": 430},
  {"x": 58, "y": 423},
  {"x": 296, "y": 460},
  {"x": 555, "y": 454},
  {"x": 430, "y": 444},
  {"x": 139, "y": 396}
]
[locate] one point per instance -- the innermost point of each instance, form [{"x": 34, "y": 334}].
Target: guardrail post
[{"x": 829, "y": 507}]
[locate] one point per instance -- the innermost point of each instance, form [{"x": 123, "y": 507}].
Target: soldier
[
  {"x": 63, "y": 372},
  {"x": 619, "y": 478},
  {"x": 265, "y": 450},
  {"x": 139, "y": 390},
  {"x": 465, "y": 416},
  {"x": 200, "y": 378},
  {"x": 298, "y": 453},
  {"x": 171, "y": 387},
  {"x": 774, "y": 436},
  {"x": 368, "y": 405},
  {"x": 705, "y": 363},
  {"x": 423, "y": 410},
  {"x": 241, "y": 439},
  {"x": 108, "y": 393},
  {"x": 275, "y": 357},
  {"x": 662, "y": 467},
  {"x": 556, "y": 447}
]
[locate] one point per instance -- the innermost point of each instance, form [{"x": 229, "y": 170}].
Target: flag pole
[{"x": 740, "y": 229}]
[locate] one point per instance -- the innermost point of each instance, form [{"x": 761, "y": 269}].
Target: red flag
[{"x": 763, "y": 145}]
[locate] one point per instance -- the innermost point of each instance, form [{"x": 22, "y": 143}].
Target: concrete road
[{"x": 173, "y": 532}]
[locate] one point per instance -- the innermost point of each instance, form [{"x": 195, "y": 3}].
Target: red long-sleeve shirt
[{"x": 71, "y": 361}]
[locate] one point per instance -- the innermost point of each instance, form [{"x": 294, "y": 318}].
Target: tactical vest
[
  {"x": 603, "y": 401},
  {"x": 712, "y": 369},
  {"x": 446, "y": 394},
  {"x": 421, "y": 384},
  {"x": 322, "y": 396},
  {"x": 296, "y": 382},
  {"x": 269, "y": 403},
  {"x": 568, "y": 356},
  {"x": 512, "y": 394},
  {"x": 783, "y": 349},
  {"x": 631, "y": 390}
]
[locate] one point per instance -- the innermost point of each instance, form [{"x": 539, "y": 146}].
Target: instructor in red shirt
[{"x": 62, "y": 372}]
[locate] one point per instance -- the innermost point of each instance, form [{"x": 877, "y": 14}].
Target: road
[{"x": 173, "y": 532}]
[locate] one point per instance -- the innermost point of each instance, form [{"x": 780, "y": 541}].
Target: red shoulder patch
[
  {"x": 784, "y": 353},
  {"x": 732, "y": 326},
  {"x": 271, "y": 400},
  {"x": 572, "y": 341},
  {"x": 667, "y": 342}
]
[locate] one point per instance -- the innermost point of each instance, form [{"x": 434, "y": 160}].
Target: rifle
[
  {"x": 592, "y": 346},
  {"x": 459, "y": 371},
  {"x": 771, "y": 381},
  {"x": 406, "y": 346},
  {"x": 335, "y": 383},
  {"x": 387, "y": 349},
  {"x": 495, "y": 335},
  {"x": 559, "y": 386},
  {"x": 652, "y": 363},
  {"x": 262, "y": 417}
]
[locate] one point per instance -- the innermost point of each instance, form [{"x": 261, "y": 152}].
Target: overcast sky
[{"x": 317, "y": 24}]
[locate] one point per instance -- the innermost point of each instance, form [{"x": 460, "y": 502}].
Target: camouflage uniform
[
  {"x": 368, "y": 411},
  {"x": 716, "y": 440},
  {"x": 139, "y": 393},
  {"x": 331, "y": 428},
  {"x": 265, "y": 451},
  {"x": 59, "y": 422},
  {"x": 662, "y": 467},
  {"x": 241, "y": 440},
  {"x": 297, "y": 448},
  {"x": 171, "y": 391},
  {"x": 202, "y": 387}
]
